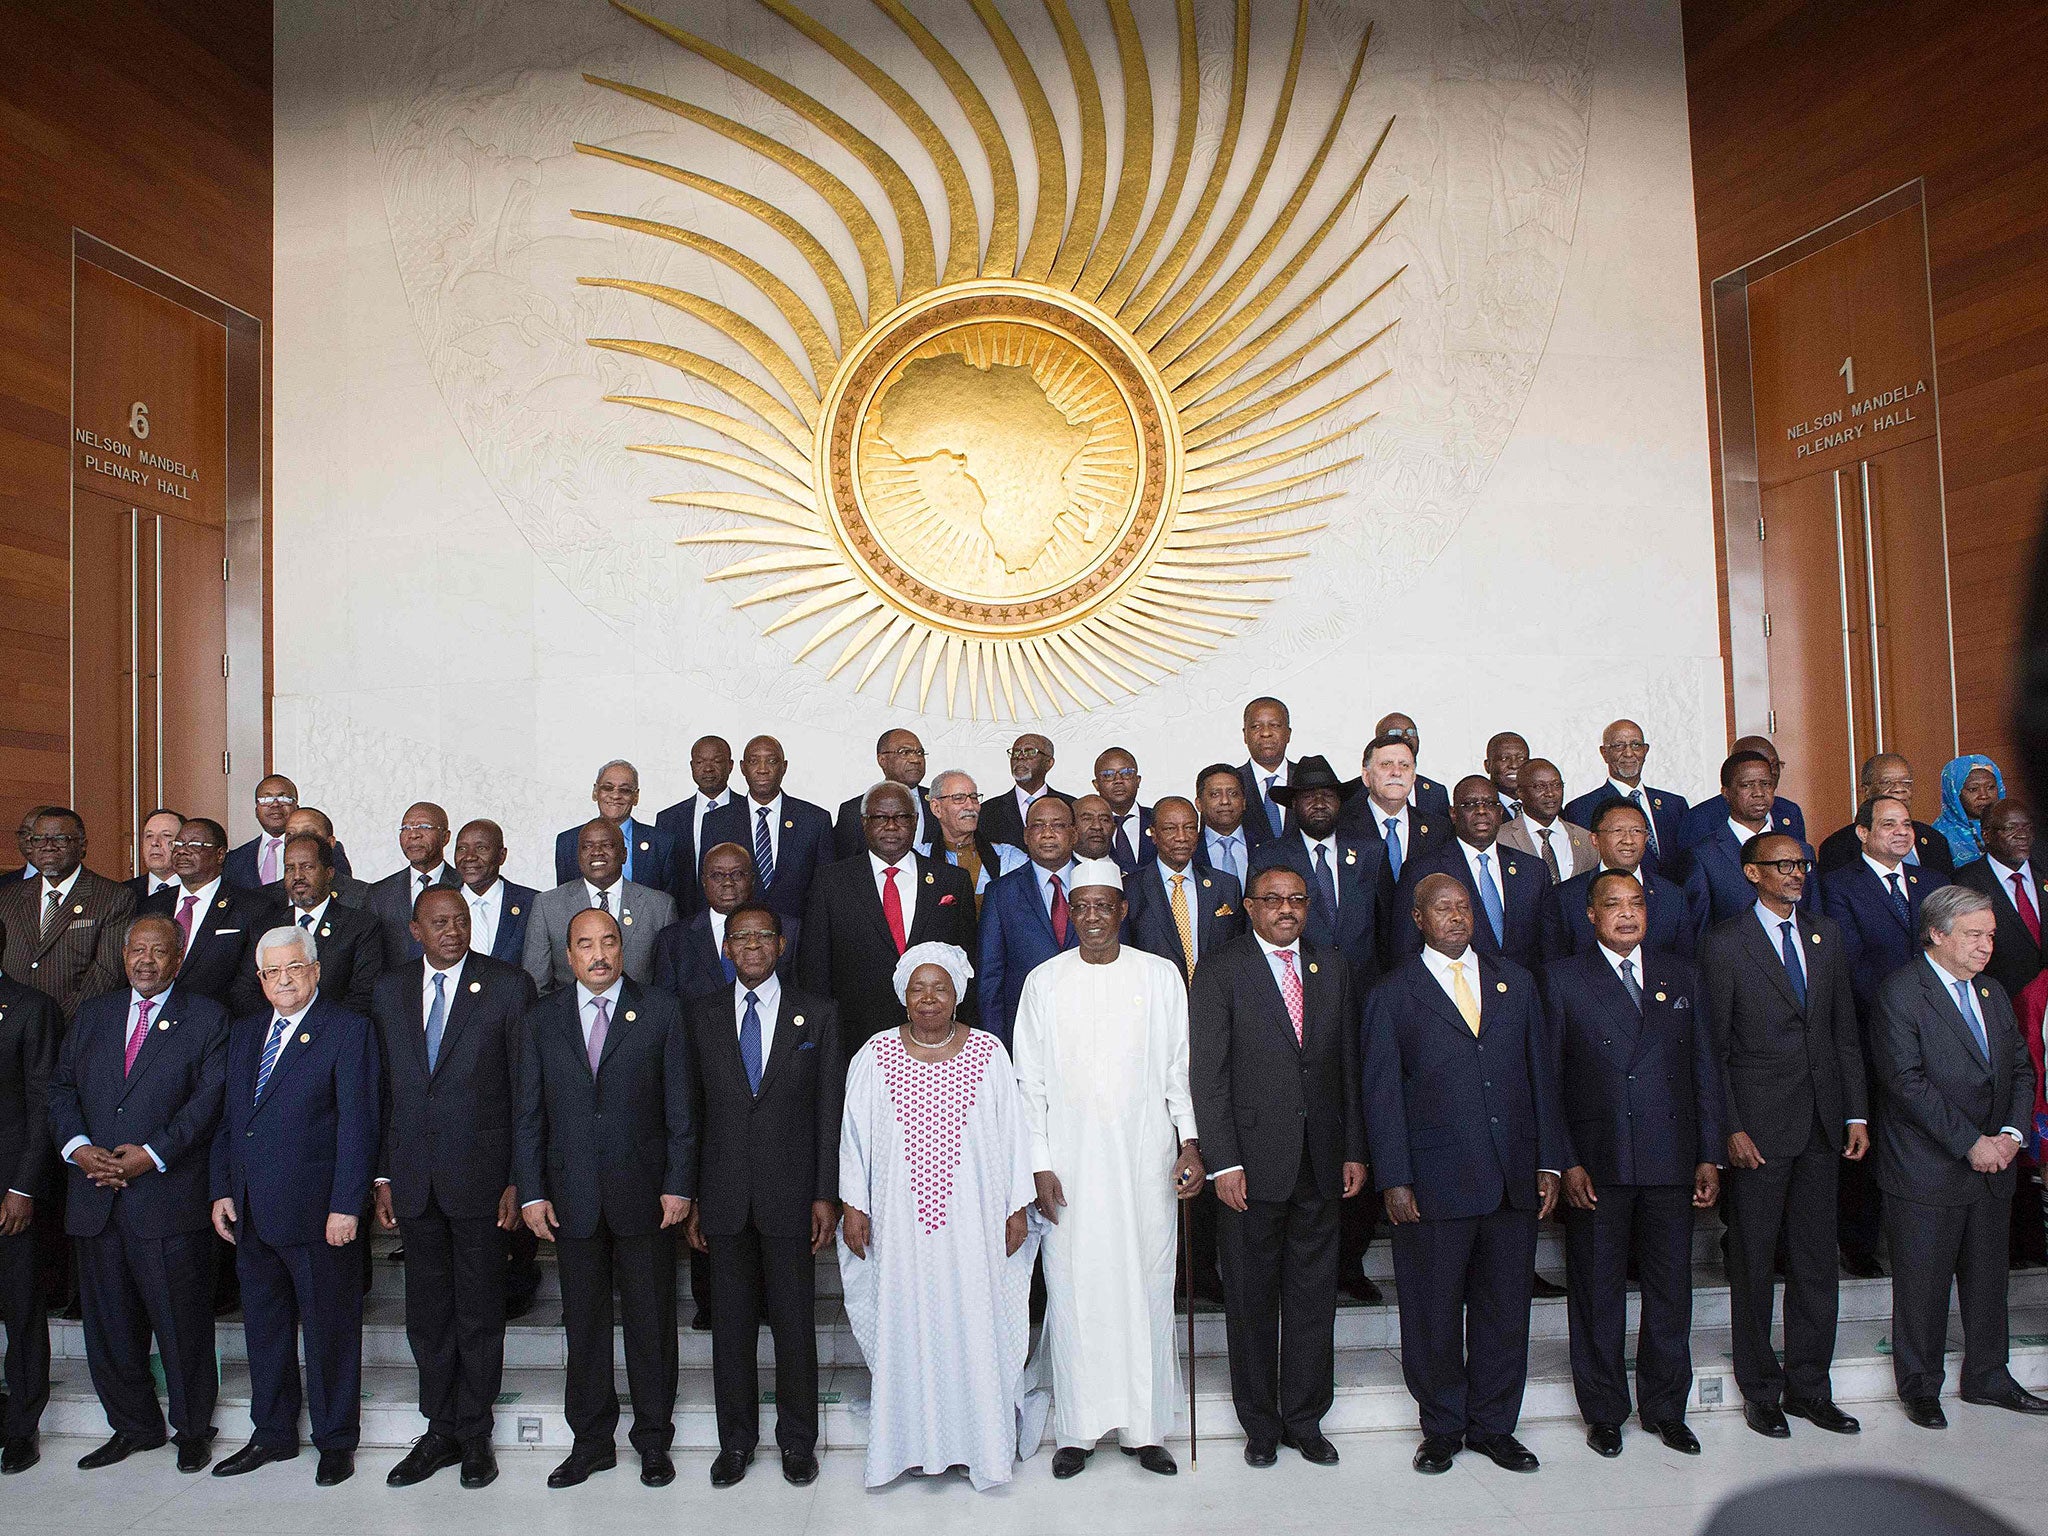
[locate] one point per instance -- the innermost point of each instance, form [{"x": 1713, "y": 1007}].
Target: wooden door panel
[
  {"x": 192, "y": 692},
  {"x": 1809, "y": 649},
  {"x": 103, "y": 788},
  {"x": 1915, "y": 678}
]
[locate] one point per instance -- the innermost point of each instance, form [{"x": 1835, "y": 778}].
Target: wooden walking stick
[{"x": 1187, "y": 1248}]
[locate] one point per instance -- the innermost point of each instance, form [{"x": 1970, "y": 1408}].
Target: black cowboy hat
[{"x": 1313, "y": 773}]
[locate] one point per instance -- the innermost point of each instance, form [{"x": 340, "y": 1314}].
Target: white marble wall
[{"x": 477, "y": 603}]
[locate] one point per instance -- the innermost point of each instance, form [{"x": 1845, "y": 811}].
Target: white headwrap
[
  {"x": 950, "y": 958},
  {"x": 1097, "y": 872}
]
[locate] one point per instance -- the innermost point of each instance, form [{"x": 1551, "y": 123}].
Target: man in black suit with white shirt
[
  {"x": 220, "y": 922},
  {"x": 351, "y": 943},
  {"x": 711, "y": 772},
  {"x": 900, "y": 756},
  {"x": 423, "y": 839}
]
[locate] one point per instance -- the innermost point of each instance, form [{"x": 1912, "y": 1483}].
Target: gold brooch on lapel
[
  {"x": 798, "y": 1021},
  {"x": 166, "y": 1023},
  {"x": 1423, "y": 828},
  {"x": 1657, "y": 801},
  {"x": 928, "y": 877},
  {"x": 630, "y": 1015},
  {"x": 1912, "y": 879},
  {"x": 1350, "y": 855},
  {"x": 79, "y": 910},
  {"x": 1660, "y": 997},
  {"x": 515, "y": 911},
  {"x": 643, "y": 847},
  {"x": 1983, "y": 991},
  {"x": 626, "y": 918},
  {"x": 1500, "y": 986},
  {"x": 1511, "y": 869},
  {"x": 1312, "y": 968},
  {"x": 1816, "y": 938},
  {"x": 305, "y": 1039},
  {"x": 1205, "y": 882},
  {"x": 476, "y": 986},
  {"x": 222, "y": 904},
  {"x": 790, "y": 824},
  {"x": 325, "y": 931}
]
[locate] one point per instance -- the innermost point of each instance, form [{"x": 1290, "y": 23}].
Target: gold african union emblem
[{"x": 1047, "y": 469}]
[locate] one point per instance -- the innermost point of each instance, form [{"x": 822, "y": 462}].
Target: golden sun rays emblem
[{"x": 1051, "y": 468}]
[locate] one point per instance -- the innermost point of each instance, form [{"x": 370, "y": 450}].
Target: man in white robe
[{"x": 1102, "y": 1058}]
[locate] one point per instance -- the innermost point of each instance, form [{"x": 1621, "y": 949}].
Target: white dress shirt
[
  {"x": 703, "y": 807},
  {"x": 162, "y": 883},
  {"x": 291, "y": 1034},
  {"x": 1774, "y": 930},
  {"x": 1884, "y": 875},
  {"x": 1045, "y": 878},
  {"x": 438, "y": 875},
  {"x": 274, "y": 848},
  {"x": 62, "y": 888},
  {"x": 449, "y": 988},
  {"x": 1133, "y": 827},
  {"x": 754, "y": 810},
  {"x": 135, "y": 999},
  {"x": 1492, "y": 874},
  {"x": 1949, "y": 984},
  {"x": 1634, "y": 957},
  {"x": 906, "y": 886},
  {"x": 204, "y": 899},
  {"x": 767, "y": 1004},
  {"x": 611, "y": 894},
  {"x": 1439, "y": 966},
  {"x": 1025, "y": 800},
  {"x": 1329, "y": 847},
  {"x": 1403, "y": 826},
  {"x": 1743, "y": 834},
  {"x": 315, "y": 913},
  {"x": 1560, "y": 843},
  {"x": 717, "y": 930},
  {"x": 484, "y": 912}
]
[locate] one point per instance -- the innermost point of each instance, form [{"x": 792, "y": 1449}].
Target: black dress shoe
[
  {"x": 1153, "y": 1458},
  {"x": 1605, "y": 1439},
  {"x": 657, "y": 1469},
  {"x": 479, "y": 1463},
  {"x": 1364, "y": 1290},
  {"x": 429, "y": 1454},
  {"x": 254, "y": 1455},
  {"x": 799, "y": 1468},
  {"x": 1260, "y": 1453},
  {"x": 1315, "y": 1449},
  {"x": 1068, "y": 1461},
  {"x": 19, "y": 1455},
  {"x": 1435, "y": 1453},
  {"x": 1544, "y": 1290},
  {"x": 1861, "y": 1266},
  {"x": 335, "y": 1467},
  {"x": 579, "y": 1464},
  {"x": 1676, "y": 1435},
  {"x": 700, "y": 1321},
  {"x": 1926, "y": 1412},
  {"x": 194, "y": 1452},
  {"x": 1767, "y": 1419},
  {"x": 728, "y": 1467},
  {"x": 120, "y": 1448},
  {"x": 1821, "y": 1413},
  {"x": 2018, "y": 1400},
  {"x": 1505, "y": 1452}
]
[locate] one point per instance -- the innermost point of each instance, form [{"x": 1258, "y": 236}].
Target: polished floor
[{"x": 1997, "y": 1457}]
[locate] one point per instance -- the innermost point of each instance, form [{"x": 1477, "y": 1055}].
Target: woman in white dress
[{"x": 936, "y": 1247}]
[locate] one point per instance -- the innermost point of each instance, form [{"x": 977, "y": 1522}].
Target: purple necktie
[
  {"x": 598, "y": 1031},
  {"x": 139, "y": 1034}
]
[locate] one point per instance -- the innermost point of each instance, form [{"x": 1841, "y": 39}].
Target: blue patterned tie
[
  {"x": 1970, "y": 1015},
  {"x": 1394, "y": 846},
  {"x": 1788, "y": 946},
  {"x": 1635, "y": 798},
  {"x": 1630, "y": 985},
  {"x": 1899, "y": 899},
  {"x": 764, "y": 849},
  {"x": 1326, "y": 887},
  {"x": 1489, "y": 898},
  {"x": 306, "y": 921},
  {"x": 437, "y": 1019},
  {"x": 271, "y": 1046},
  {"x": 750, "y": 1043},
  {"x": 1274, "y": 819}
]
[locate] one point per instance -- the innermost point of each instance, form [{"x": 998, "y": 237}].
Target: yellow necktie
[
  {"x": 1463, "y": 996},
  {"x": 1182, "y": 922}
]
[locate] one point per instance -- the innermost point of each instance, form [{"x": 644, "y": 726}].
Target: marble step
[
  {"x": 1369, "y": 1391},
  {"x": 536, "y": 1341}
]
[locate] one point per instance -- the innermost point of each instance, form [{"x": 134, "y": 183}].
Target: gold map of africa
[{"x": 997, "y": 468}]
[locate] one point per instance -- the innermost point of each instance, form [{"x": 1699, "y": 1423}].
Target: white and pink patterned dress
[{"x": 938, "y": 1156}]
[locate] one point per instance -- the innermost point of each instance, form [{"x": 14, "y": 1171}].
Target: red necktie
[
  {"x": 1059, "y": 913},
  {"x": 2027, "y": 913},
  {"x": 892, "y": 911},
  {"x": 137, "y": 1035},
  {"x": 1290, "y": 990}
]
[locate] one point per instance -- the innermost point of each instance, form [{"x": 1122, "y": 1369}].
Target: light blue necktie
[
  {"x": 437, "y": 1019},
  {"x": 626, "y": 873},
  {"x": 1489, "y": 898},
  {"x": 1394, "y": 846},
  {"x": 764, "y": 849},
  {"x": 1964, "y": 1002},
  {"x": 750, "y": 1043},
  {"x": 279, "y": 1028}
]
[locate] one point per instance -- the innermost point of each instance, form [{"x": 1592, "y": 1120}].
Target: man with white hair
[
  {"x": 1958, "y": 1084},
  {"x": 650, "y": 851},
  {"x": 1102, "y": 1058},
  {"x": 291, "y": 1178},
  {"x": 955, "y": 804}
]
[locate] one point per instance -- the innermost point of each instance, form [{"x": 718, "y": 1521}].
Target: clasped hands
[{"x": 116, "y": 1169}]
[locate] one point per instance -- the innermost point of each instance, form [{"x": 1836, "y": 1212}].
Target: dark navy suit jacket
[
  {"x": 1716, "y": 885},
  {"x": 1675, "y": 921},
  {"x": 308, "y": 1148},
  {"x": 687, "y": 964},
  {"x": 1524, "y": 891},
  {"x": 1016, "y": 937},
  {"x": 241, "y": 866},
  {"x": 804, "y": 843},
  {"x": 679, "y": 821},
  {"x": 1712, "y": 812},
  {"x": 1356, "y": 870},
  {"x": 221, "y": 959},
  {"x": 1464, "y": 1121},
  {"x": 1215, "y": 911},
  {"x": 1880, "y": 939},
  {"x": 170, "y": 1103},
  {"x": 515, "y": 906},
  {"x": 651, "y": 854},
  {"x": 1667, "y": 810},
  {"x": 1642, "y": 1092}
]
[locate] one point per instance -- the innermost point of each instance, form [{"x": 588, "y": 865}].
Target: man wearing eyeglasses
[
  {"x": 1117, "y": 781},
  {"x": 649, "y": 851},
  {"x": 27, "y": 868},
  {"x": 866, "y": 910},
  {"x": 220, "y": 922},
  {"x": 423, "y": 839},
  {"x": 1715, "y": 882},
  {"x": 260, "y": 861},
  {"x": 1783, "y": 1010},
  {"x": 1003, "y": 816},
  {"x": 900, "y": 756},
  {"x": 1430, "y": 796},
  {"x": 1890, "y": 775},
  {"x": 291, "y": 1177},
  {"x": 1624, "y": 750},
  {"x": 63, "y": 928},
  {"x": 956, "y": 805}
]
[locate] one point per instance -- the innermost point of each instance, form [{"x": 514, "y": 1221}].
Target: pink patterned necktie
[
  {"x": 1290, "y": 990},
  {"x": 269, "y": 860},
  {"x": 137, "y": 1035},
  {"x": 185, "y": 918}
]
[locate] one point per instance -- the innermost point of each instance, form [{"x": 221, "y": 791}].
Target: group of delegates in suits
[{"x": 751, "y": 1029}]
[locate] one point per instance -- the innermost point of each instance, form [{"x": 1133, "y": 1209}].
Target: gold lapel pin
[
  {"x": 797, "y": 1022},
  {"x": 1912, "y": 879},
  {"x": 222, "y": 904},
  {"x": 1350, "y": 856},
  {"x": 166, "y": 1023},
  {"x": 1312, "y": 968},
  {"x": 515, "y": 911},
  {"x": 630, "y": 1015},
  {"x": 643, "y": 847},
  {"x": 79, "y": 910},
  {"x": 1657, "y": 801},
  {"x": 1205, "y": 882},
  {"x": 1511, "y": 869},
  {"x": 790, "y": 824},
  {"x": 1500, "y": 986},
  {"x": 1983, "y": 991},
  {"x": 626, "y": 918},
  {"x": 928, "y": 877},
  {"x": 1660, "y": 997},
  {"x": 305, "y": 1039},
  {"x": 325, "y": 931},
  {"x": 476, "y": 986},
  {"x": 1423, "y": 828},
  {"x": 1816, "y": 938}
]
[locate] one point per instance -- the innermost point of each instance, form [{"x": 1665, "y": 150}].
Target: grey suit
[
  {"x": 1943, "y": 1220},
  {"x": 1518, "y": 834},
  {"x": 641, "y": 910}
]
